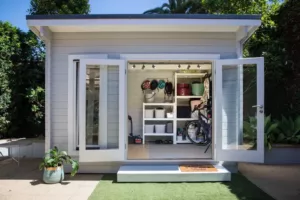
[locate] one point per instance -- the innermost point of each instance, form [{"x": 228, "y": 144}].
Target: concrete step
[{"x": 169, "y": 173}]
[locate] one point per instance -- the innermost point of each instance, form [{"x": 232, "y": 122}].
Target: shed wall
[{"x": 115, "y": 44}]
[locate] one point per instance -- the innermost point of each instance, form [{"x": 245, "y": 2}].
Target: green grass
[{"x": 239, "y": 188}]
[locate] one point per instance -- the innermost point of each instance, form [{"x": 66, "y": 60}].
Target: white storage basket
[
  {"x": 149, "y": 113},
  {"x": 160, "y": 113},
  {"x": 149, "y": 128},
  {"x": 160, "y": 128}
]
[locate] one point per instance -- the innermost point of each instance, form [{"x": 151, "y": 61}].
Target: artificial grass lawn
[{"x": 239, "y": 188}]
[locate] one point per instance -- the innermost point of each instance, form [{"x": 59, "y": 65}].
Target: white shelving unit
[
  {"x": 174, "y": 120},
  {"x": 172, "y": 105},
  {"x": 184, "y": 76}
]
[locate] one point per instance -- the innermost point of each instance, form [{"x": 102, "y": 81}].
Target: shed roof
[
  {"x": 145, "y": 16},
  {"x": 241, "y": 25}
]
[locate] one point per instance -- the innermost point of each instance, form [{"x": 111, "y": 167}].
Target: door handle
[{"x": 258, "y": 106}]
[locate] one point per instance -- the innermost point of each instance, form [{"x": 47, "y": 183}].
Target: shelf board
[
  {"x": 158, "y": 119},
  {"x": 183, "y": 142},
  {"x": 190, "y": 75},
  {"x": 189, "y": 97},
  {"x": 158, "y": 134},
  {"x": 186, "y": 119},
  {"x": 159, "y": 104}
]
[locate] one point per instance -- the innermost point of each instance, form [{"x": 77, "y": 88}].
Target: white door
[
  {"x": 239, "y": 97},
  {"x": 102, "y": 105}
]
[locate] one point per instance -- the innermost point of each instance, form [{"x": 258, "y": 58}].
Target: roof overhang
[{"x": 242, "y": 25}]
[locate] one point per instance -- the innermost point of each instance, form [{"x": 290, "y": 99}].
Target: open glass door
[
  {"x": 101, "y": 109},
  {"x": 239, "y": 110}
]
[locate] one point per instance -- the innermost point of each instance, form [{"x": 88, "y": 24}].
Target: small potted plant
[{"x": 52, "y": 165}]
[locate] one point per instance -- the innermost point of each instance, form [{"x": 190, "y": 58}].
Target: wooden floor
[{"x": 167, "y": 151}]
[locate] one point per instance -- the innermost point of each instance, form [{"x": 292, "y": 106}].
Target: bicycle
[{"x": 199, "y": 131}]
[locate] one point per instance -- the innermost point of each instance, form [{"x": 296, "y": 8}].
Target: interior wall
[{"x": 135, "y": 97}]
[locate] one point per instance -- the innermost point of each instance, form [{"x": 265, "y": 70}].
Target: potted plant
[{"x": 52, "y": 165}]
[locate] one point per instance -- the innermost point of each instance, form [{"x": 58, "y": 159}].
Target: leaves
[
  {"x": 46, "y": 7},
  {"x": 289, "y": 129},
  {"x": 178, "y": 6},
  {"x": 55, "y": 158}
]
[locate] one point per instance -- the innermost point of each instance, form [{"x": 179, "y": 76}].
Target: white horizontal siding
[
  {"x": 114, "y": 44},
  {"x": 113, "y": 107},
  {"x": 230, "y": 106}
]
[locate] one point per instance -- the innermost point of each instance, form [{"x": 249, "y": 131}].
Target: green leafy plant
[
  {"x": 270, "y": 131},
  {"x": 289, "y": 130},
  {"x": 56, "y": 158}
]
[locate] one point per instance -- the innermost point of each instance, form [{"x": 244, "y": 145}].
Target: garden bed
[{"x": 283, "y": 154}]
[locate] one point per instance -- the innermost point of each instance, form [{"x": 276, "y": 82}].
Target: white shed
[{"x": 120, "y": 91}]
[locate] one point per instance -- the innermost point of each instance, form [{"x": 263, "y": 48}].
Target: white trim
[
  {"x": 45, "y": 32},
  {"x": 241, "y": 155},
  {"x": 158, "y": 57},
  {"x": 144, "y": 22},
  {"x": 123, "y": 115},
  {"x": 180, "y": 57},
  {"x": 72, "y": 98},
  {"x": 103, "y": 107},
  {"x": 102, "y": 155},
  {"x": 251, "y": 31},
  {"x": 241, "y": 33},
  {"x": 48, "y": 135}
]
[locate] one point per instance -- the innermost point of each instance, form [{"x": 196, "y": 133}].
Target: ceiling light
[{"x": 143, "y": 67}]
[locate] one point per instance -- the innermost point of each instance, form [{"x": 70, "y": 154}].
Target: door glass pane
[
  {"x": 113, "y": 107},
  {"x": 239, "y": 126},
  {"x": 92, "y": 105}
]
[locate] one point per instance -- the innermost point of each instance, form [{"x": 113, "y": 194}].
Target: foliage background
[
  {"x": 22, "y": 57},
  {"x": 22, "y": 73}
]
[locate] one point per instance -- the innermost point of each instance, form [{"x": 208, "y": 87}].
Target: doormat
[{"x": 197, "y": 168}]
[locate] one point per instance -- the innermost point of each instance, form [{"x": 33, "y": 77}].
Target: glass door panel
[
  {"x": 101, "y": 113},
  {"x": 240, "y": 114},
  {"x": 92, "y": 105}
]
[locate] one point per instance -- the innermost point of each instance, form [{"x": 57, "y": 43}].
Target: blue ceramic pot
[{"x": 54, "y": 175}]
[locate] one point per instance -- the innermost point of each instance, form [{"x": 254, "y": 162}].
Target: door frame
[
  {"x": 236, "y": 154},
  {"x": 167, "y": 57},
  {"x": 101, "y": 155},
  {"x": 72, "y": 90}
]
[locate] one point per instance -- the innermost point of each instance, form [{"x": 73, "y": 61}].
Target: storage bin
[
  {"x": 149, "y": 128},
  {"x": 160, "y": 113},
  {"x": 149, "y": 113},
  {"x": 169, "y": 127},
  {"x": 160, "y": 128}
]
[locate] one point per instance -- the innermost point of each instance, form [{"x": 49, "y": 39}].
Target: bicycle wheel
[{"x": 195, "y": 133}]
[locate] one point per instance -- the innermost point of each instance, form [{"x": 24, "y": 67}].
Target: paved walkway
[
  {"x": 24, "y": 182},
  {"x": 282, "y": 182}
]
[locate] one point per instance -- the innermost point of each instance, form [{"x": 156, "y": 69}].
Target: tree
[
  {"x": 178, "y": 6},
  {"x": 9, "y": 43},
  {"x": 288, "y": 30},
  {"x": 50, "y": 7},
  {"x": 26, "y": 76}
]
